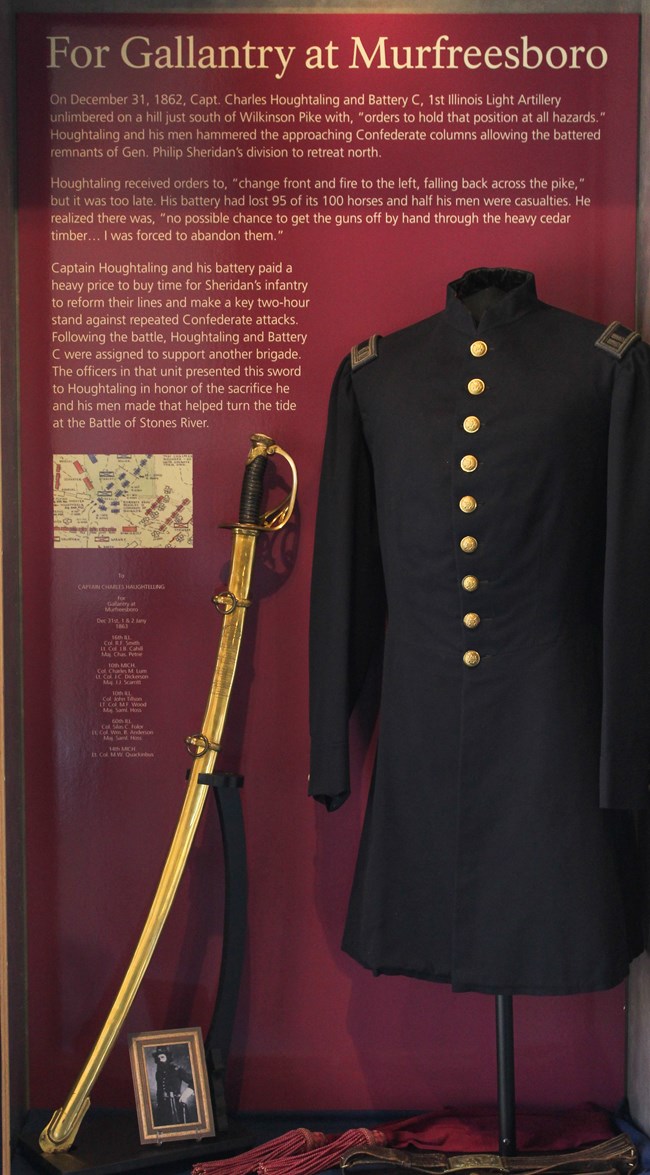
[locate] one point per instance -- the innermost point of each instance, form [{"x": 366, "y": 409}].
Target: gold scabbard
[{"x": 61, "y": 1130}]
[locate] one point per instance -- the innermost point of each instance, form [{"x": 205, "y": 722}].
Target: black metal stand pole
[
  {"x": 227, "y": 793},
  {"x": 506, "y": 1075}
]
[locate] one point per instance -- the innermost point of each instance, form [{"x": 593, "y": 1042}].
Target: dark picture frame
[{"x": 170, "y": 1081}]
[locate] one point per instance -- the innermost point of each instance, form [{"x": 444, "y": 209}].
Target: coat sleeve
[
  {"x": 625, "y": 736},
  {"x": 347, "y": 612}
]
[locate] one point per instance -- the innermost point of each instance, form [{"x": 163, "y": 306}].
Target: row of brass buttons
[{"x": 468, "y": 503}]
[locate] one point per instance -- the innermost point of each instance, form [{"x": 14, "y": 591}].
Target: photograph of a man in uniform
[
  {"x": 170, "y": 1079},
  {"x": 172, "y": 1085}
]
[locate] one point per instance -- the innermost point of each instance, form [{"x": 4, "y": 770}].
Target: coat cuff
[{"x": 329, "y": 779}]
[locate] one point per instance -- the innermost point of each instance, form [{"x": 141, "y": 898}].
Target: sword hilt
[{"x": 250, "y": 503}]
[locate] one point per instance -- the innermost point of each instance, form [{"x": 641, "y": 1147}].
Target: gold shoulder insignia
[
  {"x": 364, "y": 352},
  {"x": 617, "y": 339}
]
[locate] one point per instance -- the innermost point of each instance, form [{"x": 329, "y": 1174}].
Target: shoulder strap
[
  {"x": 364, "y": 352},
  {"x": 617, "y": 339}
]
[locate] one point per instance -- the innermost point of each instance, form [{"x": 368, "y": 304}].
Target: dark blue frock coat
[{"x": 484, "y": 526}]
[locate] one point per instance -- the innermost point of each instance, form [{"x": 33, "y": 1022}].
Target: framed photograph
[{"x": 171, "y": 1085}]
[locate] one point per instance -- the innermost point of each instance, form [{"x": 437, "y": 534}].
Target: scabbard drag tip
[{"x": 53, "y": 1138}]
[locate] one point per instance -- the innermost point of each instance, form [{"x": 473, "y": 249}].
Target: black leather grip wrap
[{"x": 250, "y": 503}]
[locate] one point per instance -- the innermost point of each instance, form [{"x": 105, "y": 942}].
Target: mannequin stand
[{"x": 506, "y": 1075}]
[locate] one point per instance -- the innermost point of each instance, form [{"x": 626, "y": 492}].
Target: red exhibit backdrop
[{"x": 213, "y": 209}]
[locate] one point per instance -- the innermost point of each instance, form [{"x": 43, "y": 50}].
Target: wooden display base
[{"x": 109, "y": 1143}]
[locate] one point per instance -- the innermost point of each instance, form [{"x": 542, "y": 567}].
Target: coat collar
[{"x": 490, "y": 297}]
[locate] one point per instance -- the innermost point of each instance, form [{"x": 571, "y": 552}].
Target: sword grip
[{"x": 250, "y": 502}]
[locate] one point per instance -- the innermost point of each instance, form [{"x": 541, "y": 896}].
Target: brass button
[
  {"x": 468, "y": 463},
  {"x": 468, "y": 544},
  {"x": 471, "y": 424},
  {"x": 471, "y": 620},
  {"x": 475, "y": 387},
  {"x": 468, "y": 504},
  {"x": 471, "y": 658},
  {"x": 479, "y": 348},
  {"x": 470, "y": 583}
]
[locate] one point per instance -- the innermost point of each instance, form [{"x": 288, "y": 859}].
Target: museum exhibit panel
[{"x": 397, "y": 256}]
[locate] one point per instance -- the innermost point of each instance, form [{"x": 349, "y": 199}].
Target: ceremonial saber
[{"x": 61, "y": 1130}]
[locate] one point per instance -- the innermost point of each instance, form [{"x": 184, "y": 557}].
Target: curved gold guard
[
  {"x": 61, "y": 1130},
  {"x": 277, "y": 518}
]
